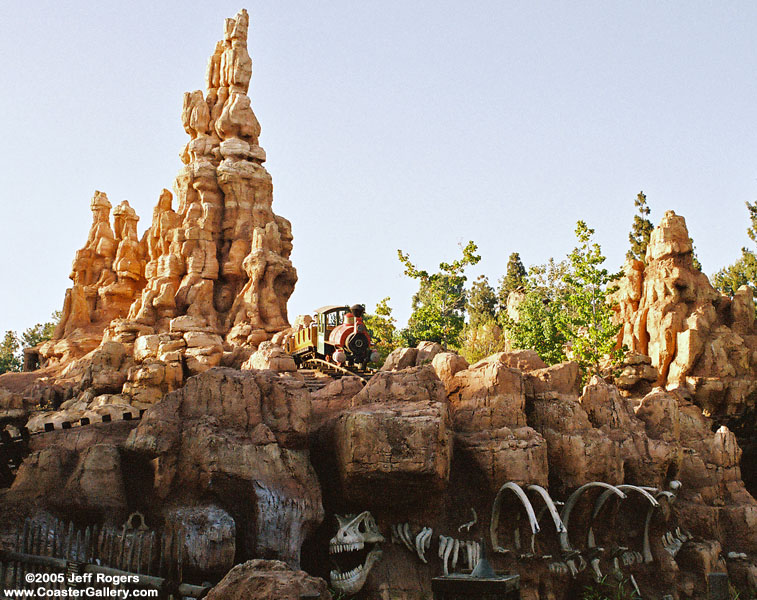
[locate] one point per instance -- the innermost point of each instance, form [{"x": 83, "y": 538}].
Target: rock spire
[{"x": 217, "y": 263}]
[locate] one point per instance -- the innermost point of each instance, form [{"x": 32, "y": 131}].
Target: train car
[{"x": 337, "y": 334}]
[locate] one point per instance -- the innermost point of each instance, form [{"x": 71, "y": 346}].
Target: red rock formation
[
  {"x": 210, "y": 280},
  {"x": 698, "y": 340},
  {"x": 223, "y": 257},
  {"x": 267, "y": 579},
  {"x": 239, "y": 438},
  {"x": 108, "y": 273}
]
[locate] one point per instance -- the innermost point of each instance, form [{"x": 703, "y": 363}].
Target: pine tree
[
  {"x": 9, "y": 353},
  {"x": 482, "y": 302},
  {"x": 514, "y": 279},
  {"x": 641, "y": 230}
]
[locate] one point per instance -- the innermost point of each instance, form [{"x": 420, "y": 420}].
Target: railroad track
[
  {"x": 333, "y": 370},
  {"x": 13, "y": 449}
]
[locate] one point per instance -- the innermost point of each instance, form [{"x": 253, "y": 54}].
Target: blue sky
[{"x": 412, "y": 125}]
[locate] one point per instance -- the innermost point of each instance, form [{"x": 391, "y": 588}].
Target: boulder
[
  {"x": 558, "y": 381},
  {"x": 426, "y": 352},
  {"x": 400, "y": 358},
  {"x": 267, "y": 579},
  {"x": 270, "y": 356},
  {"x": 415, "y": 384},
  {"x": 487, "y": 395},
  {"x": 523, "y": 360},
  {"x": 446, "y": 365}
]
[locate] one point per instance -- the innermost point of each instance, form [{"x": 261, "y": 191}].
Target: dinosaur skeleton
[
  {"x": 573, "y": 561},
  {"x": 673, "y": 540},
  {"x": 469, "y": 524},
  {"x": 355, "y": 542},
  {"x": 450, "y": 549}
]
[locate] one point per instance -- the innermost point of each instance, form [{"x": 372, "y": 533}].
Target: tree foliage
[
  {"x": 11, "y": 348},
  {"x": 514, "y": 279},
  {"x": 382, "y": 326},
  {"x": 482, "y": 302},
  {"x": 641, "y": 230},
  {"x": 481, "y": 340},
  {"x": 744, "y": 270},
  {"x": 537, "y": 326},
  {"x": 439, "y": 305},
  {"x": 588, "y": 317},
  {"x": 566, "y": 310},
  {"x": 9, "y": 353}
]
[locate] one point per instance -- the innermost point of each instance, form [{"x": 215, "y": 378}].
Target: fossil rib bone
[
  {"x": 521, "y": 495},
  {"x": 469, "y": 524}
]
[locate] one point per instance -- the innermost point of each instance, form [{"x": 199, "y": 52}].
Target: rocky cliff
[{"x": 699, "y": 342}]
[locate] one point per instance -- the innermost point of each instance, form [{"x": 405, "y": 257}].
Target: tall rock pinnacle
[
  {"x": 227, "y": 263},
  {"x": 218, "y": 263}
]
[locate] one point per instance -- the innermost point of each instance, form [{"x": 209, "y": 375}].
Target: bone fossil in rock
[
  {"x": 356, "y": 542},
  {"x": 574, "y": 560},
  {"x": 449, "y": 547},
  {"x": 672, "y": 541},
  {"x": 471, "y": 523}
]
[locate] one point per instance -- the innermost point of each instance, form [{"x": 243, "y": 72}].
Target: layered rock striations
[
  {"x": 108, "y": 273},
  {"x": 210, "y": 279},
  {"x": 222, "y": 258},
  {"x": 698, "y": 340}
]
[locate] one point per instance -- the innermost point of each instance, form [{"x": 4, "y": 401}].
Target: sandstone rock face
[
  {"x": 396, "y": 440},
  {"x": 220, "y": 261},
  {"x": 88, "y": 481},
  {"x": 270, "y": 356},
  {"x": 211, "y": 274},
  {"x": 332, "y": 399},
  {"x": 267, "y": 579},
  {"x": 695, "y": 337},
  {"x": 239, "y": 437},
  {"x": 107, "y": 275},
  {"x": 488, "y": 395}
]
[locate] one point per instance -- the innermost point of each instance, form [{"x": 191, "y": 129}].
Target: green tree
[
  {"x": 566, "y": 310},
  {"x": 694, "y": 258},
  {"x": 588, "y": 316},
  {"x": 382, "y": 326},
  {"x": 514, "y": 279},
  {"x": 744, "y": 270},
  {"x": 536, "y": 324},
  {"x": 11, "y": 349},
  {"x": 9, "y": 353},
  {"x": 641, "y": 229},
  {"x": 482, "y": 302},
  {"x": 41, "y": 332},
  {"x": 439, "y": 305}
]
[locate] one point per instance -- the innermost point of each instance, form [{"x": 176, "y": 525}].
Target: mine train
[{"x": 337, "y": 335}]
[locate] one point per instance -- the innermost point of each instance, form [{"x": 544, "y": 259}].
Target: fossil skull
[{"x": 354, "y": 543}]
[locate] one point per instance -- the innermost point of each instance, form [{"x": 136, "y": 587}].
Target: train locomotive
[{"x": 337, "y": 335}]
